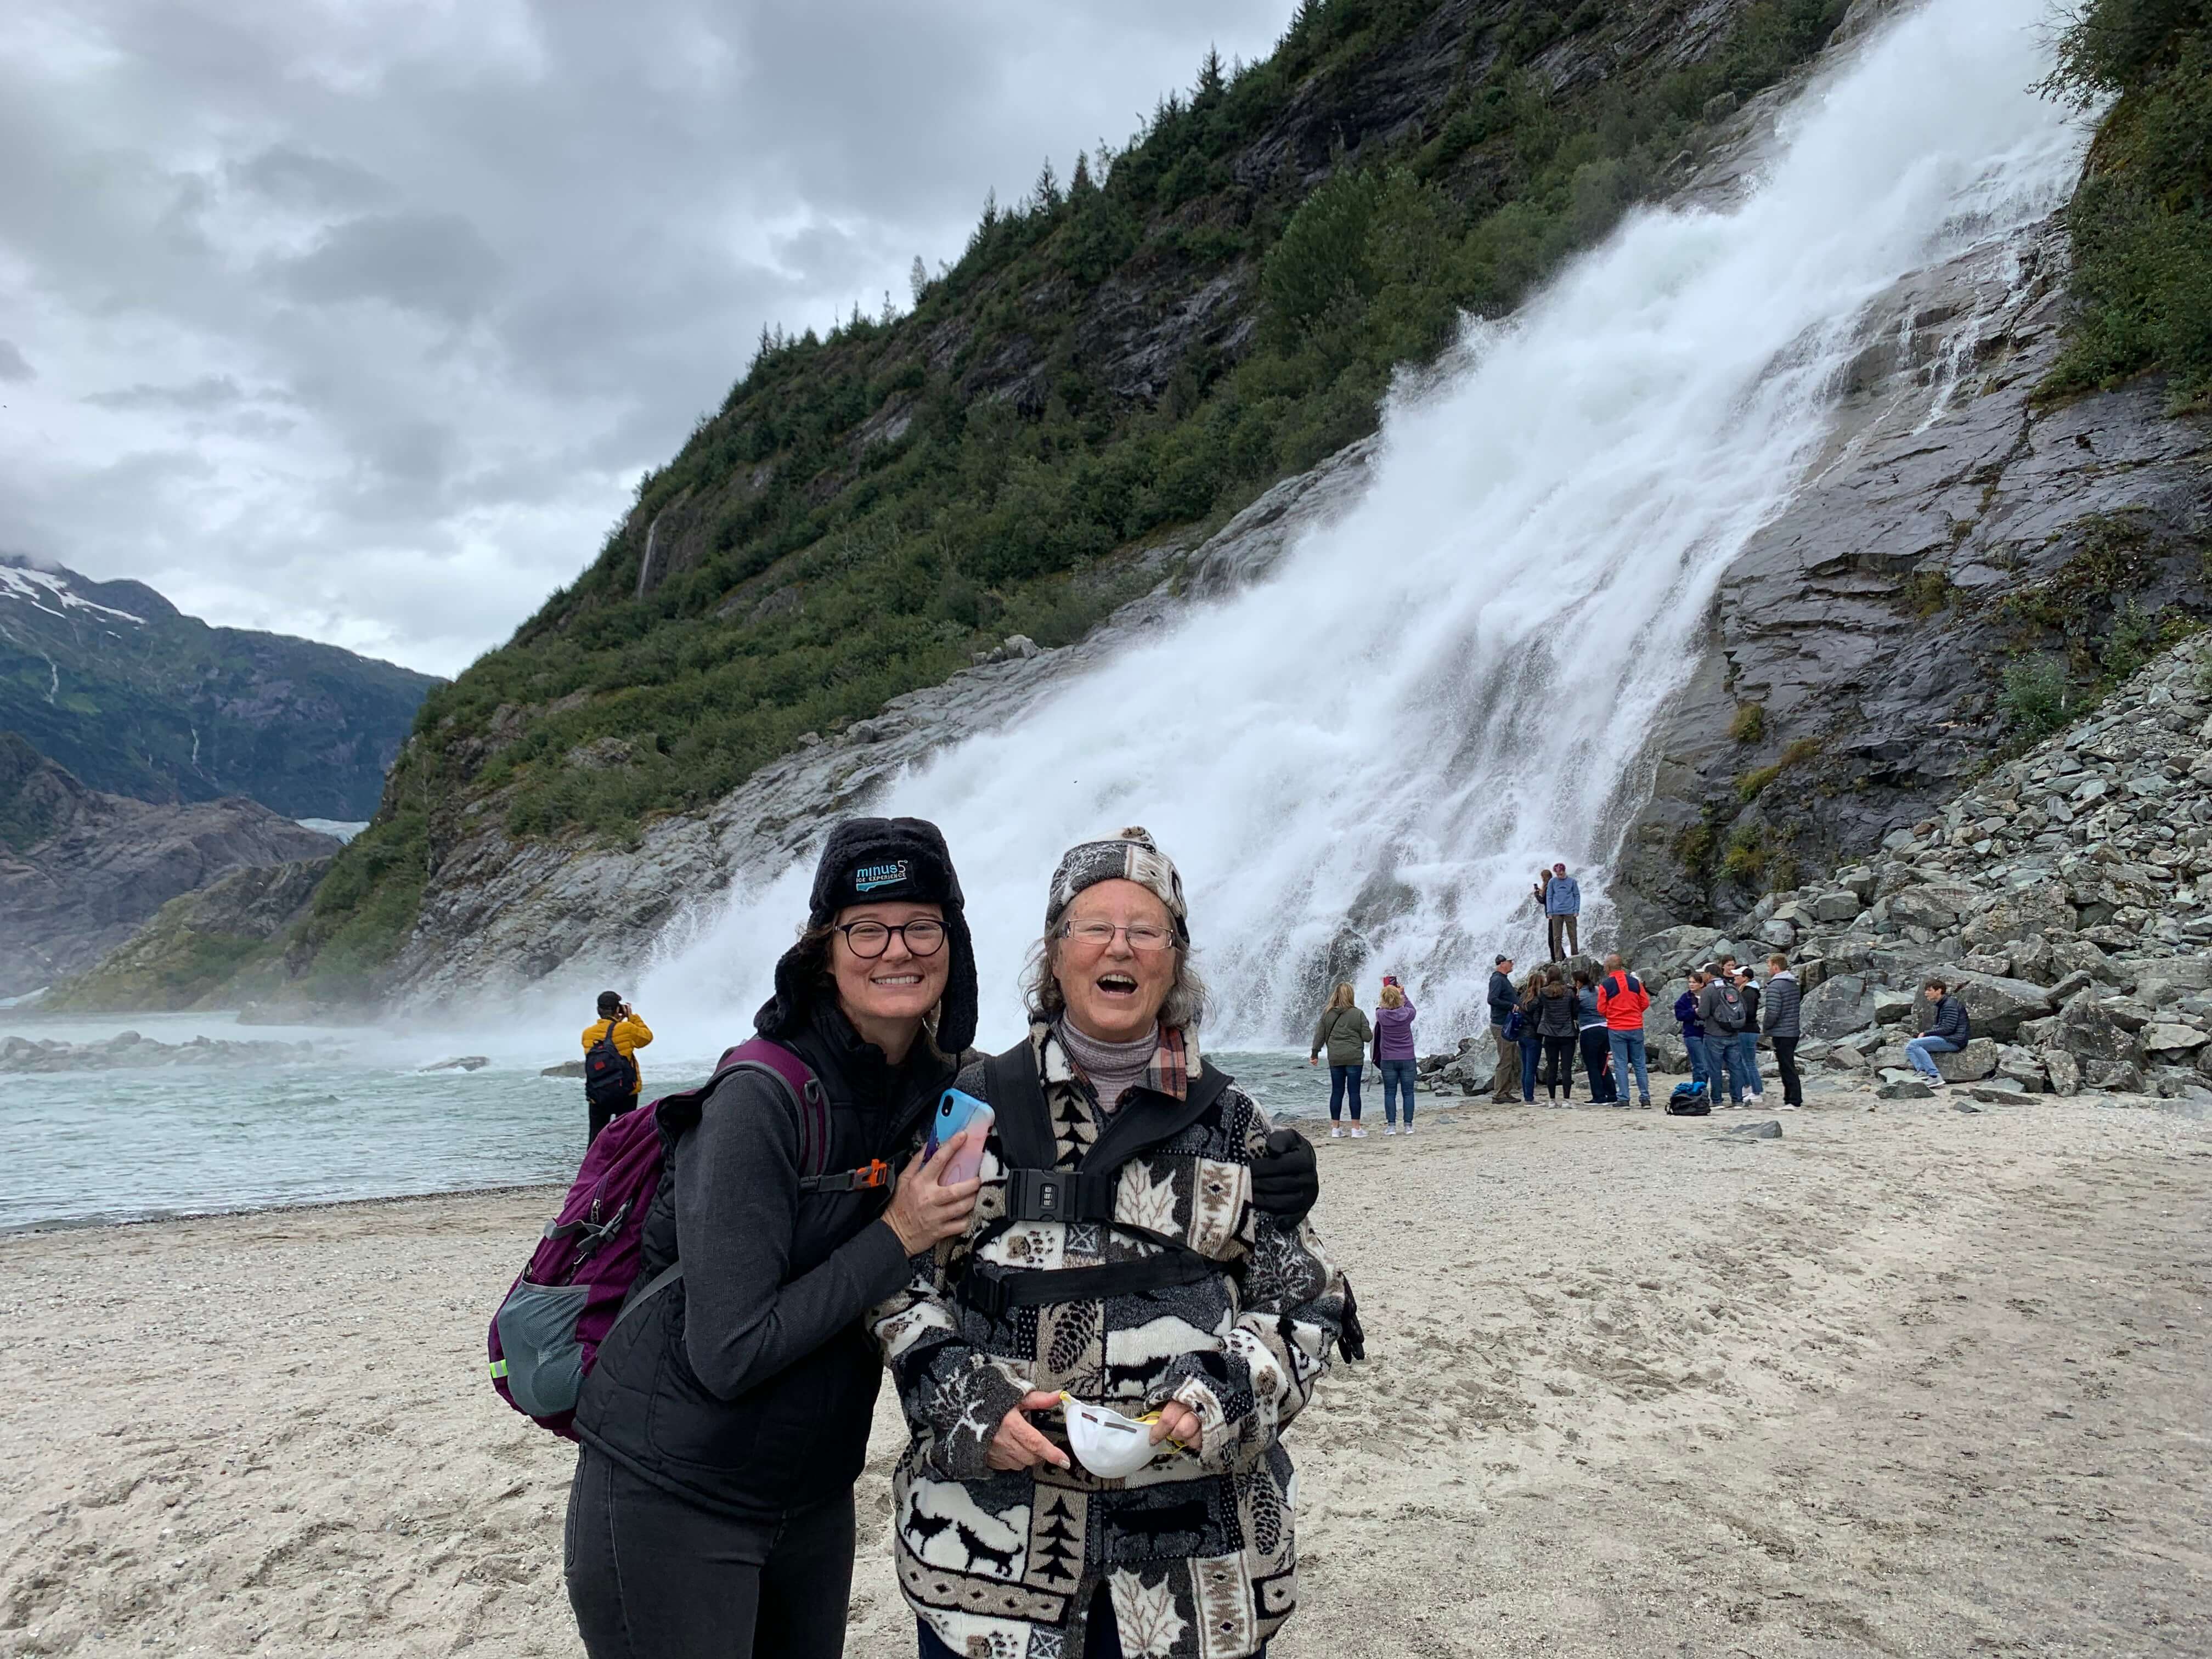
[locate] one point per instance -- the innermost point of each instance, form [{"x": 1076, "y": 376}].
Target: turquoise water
[{"x": 360, "y": 1120}]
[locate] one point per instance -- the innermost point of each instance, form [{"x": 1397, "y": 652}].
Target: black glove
[
  {"x": 1286, "y": 1181},
  {"x": 1352, "y": 1337}
]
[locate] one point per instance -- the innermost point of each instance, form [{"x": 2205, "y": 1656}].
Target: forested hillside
[{"x": 1143, "y": 345}]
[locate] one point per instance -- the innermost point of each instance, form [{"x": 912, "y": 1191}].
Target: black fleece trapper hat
[{"x": 870, "y": 861}]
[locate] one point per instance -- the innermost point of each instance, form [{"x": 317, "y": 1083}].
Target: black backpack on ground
[{"x": 611, "y": 1077}]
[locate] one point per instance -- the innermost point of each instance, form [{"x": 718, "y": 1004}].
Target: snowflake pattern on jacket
[{"x": 1196, "y": 1549}]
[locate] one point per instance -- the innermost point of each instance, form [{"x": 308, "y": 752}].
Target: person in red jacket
[{"x": 1622, "y": 999}]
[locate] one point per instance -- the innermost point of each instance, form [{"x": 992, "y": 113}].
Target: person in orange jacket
[
  {"x": 630, "y": 1034},
  {"x": 1622, "y": 999}
]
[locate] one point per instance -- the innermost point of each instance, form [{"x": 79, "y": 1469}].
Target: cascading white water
[{"x": 1371, "y": 750}]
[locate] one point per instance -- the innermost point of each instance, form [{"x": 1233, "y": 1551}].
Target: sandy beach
[{"x": 1906, "y": 1381}]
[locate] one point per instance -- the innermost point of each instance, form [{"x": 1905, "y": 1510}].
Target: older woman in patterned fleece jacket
[{"x": 1005, "y": 1544}]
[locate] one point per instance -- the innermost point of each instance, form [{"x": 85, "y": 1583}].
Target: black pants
[
  {"x": 1596, "y": 1057},
  {"x": 1559, "y": 1066},
  {"x": 1102, "y": 1636},
  {"x": 603, "y": 1115},
  {"x": 650, "y": 1576},
  {"x": 1785, "y": 1061}
]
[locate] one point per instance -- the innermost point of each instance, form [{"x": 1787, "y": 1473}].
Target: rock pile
[
  {"x": 127, "y": 1049},
  {"x": 2066, "y": 897}
]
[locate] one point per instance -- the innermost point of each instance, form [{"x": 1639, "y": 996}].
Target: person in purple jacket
[{"x": 1394, "y": 1053}]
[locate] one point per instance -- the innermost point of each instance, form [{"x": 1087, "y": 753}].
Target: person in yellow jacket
[{"x": 630, "y": 1035}]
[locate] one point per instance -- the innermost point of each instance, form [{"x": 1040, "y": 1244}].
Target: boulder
[
  {"x": 2064, "y": 1070},
  {"x": 2171, "y": 1039},
  {"x": 460, "y": 1063},
  {"x": 1995, "y": 1095},
  {"x": 2069, "y": 956},
  {"x": 2191, "y": 973},
  {"x": 1894, "y": 1007},
  {"x": 2023, "y": 1066},
  {"x": 2042, "y": 909},
  {"x": 2089, "y": 1032},
  {"x": 1998, "y": 963},
  {"x": 1838, "y": 1005},
  {"x": 2031, "y": 959},
  {"x": 566, "y": 1068},
  {"x": 1971, "y": 1064},
  {"x": 1675, "y": 948},
  {"x": 2121, "y": 1077},
  {"x": 1936, "y": 907},
  {"x": 1907, "y": 1089},
  {"x": 1836, "y": 908}
]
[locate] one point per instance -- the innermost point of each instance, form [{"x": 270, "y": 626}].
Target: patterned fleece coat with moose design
[{"x": 1196, "y": 1548}]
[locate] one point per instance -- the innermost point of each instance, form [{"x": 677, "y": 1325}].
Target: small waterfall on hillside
[{"x": 1371, "y": 750}]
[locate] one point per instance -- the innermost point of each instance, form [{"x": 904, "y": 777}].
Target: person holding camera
[{"x": 612, "y": 1077}]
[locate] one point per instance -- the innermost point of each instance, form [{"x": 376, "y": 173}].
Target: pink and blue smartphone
[{"x": 957, "y": 1110}]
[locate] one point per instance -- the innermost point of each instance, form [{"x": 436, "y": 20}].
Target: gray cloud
[
  {"x": 209, "y": 391},
  {"x": 383, "y": 311},
  {"x": 434, "y": 262}
]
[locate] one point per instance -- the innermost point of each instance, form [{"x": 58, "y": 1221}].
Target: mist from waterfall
[{"x": 1362, "y": 759}]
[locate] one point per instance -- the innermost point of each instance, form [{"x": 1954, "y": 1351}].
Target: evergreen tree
[
  {"x": 918, "y": 278},
  {"x": 1046, "y": 193},
  {"x": 1080, "y": 187},
  {"x": 1210, "y": 78}
]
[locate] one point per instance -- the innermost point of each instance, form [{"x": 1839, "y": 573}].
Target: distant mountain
[
  {"x": 82, "y": 870},
  {"x": 115, "y": 683}
]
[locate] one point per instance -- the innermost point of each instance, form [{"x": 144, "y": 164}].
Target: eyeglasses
[
  {"x": 872, "y": 938},
  {"x": 1097, "y": 935}
]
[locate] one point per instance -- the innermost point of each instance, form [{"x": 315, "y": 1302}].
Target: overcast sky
[{"x": 359, "y": 318}]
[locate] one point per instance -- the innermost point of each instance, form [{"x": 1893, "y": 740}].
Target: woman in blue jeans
[
  {"x": 1344, "y": 1031},
  {"x": 1394, "y": 1053}
]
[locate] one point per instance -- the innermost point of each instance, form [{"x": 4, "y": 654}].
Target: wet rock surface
[{"x": 128, "y": 1051}]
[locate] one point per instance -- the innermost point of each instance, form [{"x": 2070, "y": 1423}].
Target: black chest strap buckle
[{"x": 1058, "y": 1196}]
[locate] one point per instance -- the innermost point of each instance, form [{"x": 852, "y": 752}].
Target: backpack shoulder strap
[{"x": 1016, "y": 1102}]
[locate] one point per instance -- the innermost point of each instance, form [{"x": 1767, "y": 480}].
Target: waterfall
[{"x": 1363, "y": 757}]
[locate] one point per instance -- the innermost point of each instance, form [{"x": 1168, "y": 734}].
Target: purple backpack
[{"x": 580, "y": 1282}]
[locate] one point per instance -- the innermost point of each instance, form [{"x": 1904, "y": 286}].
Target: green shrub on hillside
[{"x": 2141, "y": 221}]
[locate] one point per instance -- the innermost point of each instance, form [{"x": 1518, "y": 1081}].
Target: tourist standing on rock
[
  {"x": 612, "y": 1076},
  {"x": 1694, "y": 1031},
  {"x": 1948, "y": 1031},
  {"x": 1563, "y": 910},
  {"x": 1113, "y": 1266},
  {"x": 1504, "y": 1083},
  {"x": 1589, "y": 1025},
  {"x": 1780, "y": 1013},
  {"x": 1747, "y": 1040},
  {"x": 1394, "y": 1053},
  {"x": 1623, "y": 1000},
  {"x": 1344, "y": 1031},
  {"x": 1556, "y": 1015},
  {"x": 726, "y": 1418}
]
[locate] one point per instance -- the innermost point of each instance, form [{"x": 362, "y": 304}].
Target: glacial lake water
[{"x": 360, "y": 1120}]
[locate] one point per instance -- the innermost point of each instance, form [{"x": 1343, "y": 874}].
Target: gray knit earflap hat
[{"x": 1133, "y": 856}]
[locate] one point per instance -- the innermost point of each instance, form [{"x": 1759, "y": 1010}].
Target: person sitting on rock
[
  {"x": 1948, "y": 1031},
  {"x": 629, "y": 1034}
]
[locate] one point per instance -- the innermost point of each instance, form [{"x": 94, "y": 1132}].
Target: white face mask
[{"x": 1106, "y": 1443}]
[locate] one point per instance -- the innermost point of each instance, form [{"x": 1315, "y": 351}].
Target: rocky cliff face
[
  {"x": 136, "y": 698},
  {"x": 82, "y": 870},
  {"x": 1954, "y": 528},
  {"x": 191, "y": 948}
]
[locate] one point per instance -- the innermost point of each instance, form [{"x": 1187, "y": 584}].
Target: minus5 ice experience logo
[{"x": 869, "y": 877}]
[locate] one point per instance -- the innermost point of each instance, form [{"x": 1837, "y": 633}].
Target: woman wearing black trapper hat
[{"x": 727, "y": 1419}]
